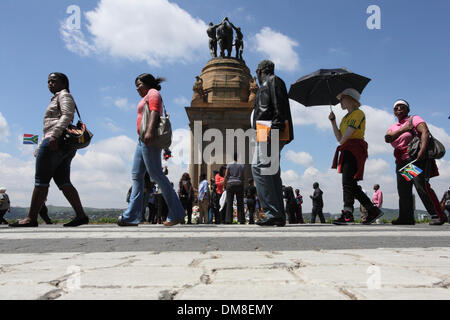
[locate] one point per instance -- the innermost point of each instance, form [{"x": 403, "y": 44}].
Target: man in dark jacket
[
  {"x": 317, "y": 201},
  {"x": 271, "y": 106}
]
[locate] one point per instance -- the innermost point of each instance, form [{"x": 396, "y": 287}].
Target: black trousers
[
  {"x": 291, "y": 210},
  {"x": 317, "y": 211},
  {"x": 2, "y": 214},
  {"x": 423, "y": 188},
  {"x": 151, "y": 213},
  {"x": 251, "y": 206},
  {"x": 350, "y": 186},
  {"x": 187, "y": 205},
  {"x": 238, "y": 190},
  {"x": 161, "y": 208}
]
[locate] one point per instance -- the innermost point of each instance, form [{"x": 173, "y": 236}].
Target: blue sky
[{"x": 407, "y": 58}]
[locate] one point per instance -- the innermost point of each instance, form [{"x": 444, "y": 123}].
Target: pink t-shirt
[
  {"x": 401, "y": 143},
  {"x": 154, "y": 102},
  {"x": 377, "y": 198}
]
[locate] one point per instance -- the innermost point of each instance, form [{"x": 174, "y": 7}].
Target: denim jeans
[
  {"x": 53, "y": 164},
  {"x": 268, "y": 186},
  {"x": 149, "y": 159}
]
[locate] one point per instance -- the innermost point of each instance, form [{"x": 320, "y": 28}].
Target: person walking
[
  {"x": 53, "y": 157},
  {"x": 147, "y": 158},
  {"x": 151, "y": 204},
  {"x": 234, "y": 177},
  {"x": 317, "y": 204},
  {"x": 220, "y": 186},
  {"x": 445, "y": 202},
  {"x": 291, "y": 205},
  {"x": 215, "y": 202},
  {"x": 250, "y": 194},
  {"x": 212, "y": 187},
  {"x": 350, "y": 157},
  {"x": 299, "y": 199},
  {"x": 186, "y": 192},
  {"x": 147, "y": 191},
  {"x": 271, "y": 104},
  {"x": 399, "y": 135},
  {"x": 5, "y": 205},
  {"x": 203, "y": 199}
]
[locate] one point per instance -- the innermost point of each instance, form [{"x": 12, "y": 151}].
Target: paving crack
[{"x": 348, "y": 294}]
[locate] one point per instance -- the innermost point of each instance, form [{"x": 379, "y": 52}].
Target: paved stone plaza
[{"x": 231, "y": 262}]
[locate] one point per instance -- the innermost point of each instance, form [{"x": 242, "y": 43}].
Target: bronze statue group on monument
[
  {"x": 228, "y": 105},
  {"x": 222, "y": 34}
]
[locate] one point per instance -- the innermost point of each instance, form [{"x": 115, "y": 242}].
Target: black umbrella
[{"x": 321, "y": 87}]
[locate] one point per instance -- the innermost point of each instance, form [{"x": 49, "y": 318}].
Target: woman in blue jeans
[
  {"x": 53, "y": 158},
  {"x": 148, "y": 158}
]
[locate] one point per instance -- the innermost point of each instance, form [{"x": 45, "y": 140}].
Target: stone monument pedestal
[{"x": 220, "y": 101}]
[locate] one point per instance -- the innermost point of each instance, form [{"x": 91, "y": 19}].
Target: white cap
[
  {"x": 351, "y": 93},
  {"x": 2, "y": 190},
  {"x": 401, "y": 101}
]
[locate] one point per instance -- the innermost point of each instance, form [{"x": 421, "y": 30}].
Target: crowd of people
[{"x": 265, "y": 193}]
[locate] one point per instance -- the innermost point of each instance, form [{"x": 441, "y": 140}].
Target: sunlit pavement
[{"x": 232, "y": 262}]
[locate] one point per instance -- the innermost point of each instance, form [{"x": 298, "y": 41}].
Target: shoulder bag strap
[{"x": 76, "y": 108}]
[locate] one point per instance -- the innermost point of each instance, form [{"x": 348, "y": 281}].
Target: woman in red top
[
  {"x": 220, "y": 182},
  {"x": 148, "y": 158}
]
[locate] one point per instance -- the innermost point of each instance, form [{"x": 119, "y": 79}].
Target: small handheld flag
[
  {"x": 410, "y": 171},
  {"x": 30, "y": 139}
]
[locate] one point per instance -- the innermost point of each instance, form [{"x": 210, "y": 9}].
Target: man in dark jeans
[
  {"x": 234, "y": 176},
  {"x": 251, "y": 200},
  {"x": 317, "y": 204}
]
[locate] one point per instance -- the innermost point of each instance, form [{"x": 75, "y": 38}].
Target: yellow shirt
[{"x": 356, "y": 120}]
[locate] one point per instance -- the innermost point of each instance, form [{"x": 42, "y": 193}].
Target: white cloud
[
  {"x": 277, "y": 47},
  {"x": 302, "y": 158},
  {"x": 181, "y": 101},
  {"x": 377, "y": 123},
  {"x": 290, "y": 178},
  {"x": 110, "y": 125},
  {"x": 75, "y": 40},
  {"x": 376, "y": 167},
  {"x": 154, "y": 31},
  {"x": 124, "y": 104},
  {"x": 101, "y": 173},
  {"x": 441, "y": 135},
  {"x": 4, "y": 130}
]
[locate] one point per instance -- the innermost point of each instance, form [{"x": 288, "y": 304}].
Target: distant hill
[
  {"x": 67, "y": 213},
  {"x": 389, "y": 214}
]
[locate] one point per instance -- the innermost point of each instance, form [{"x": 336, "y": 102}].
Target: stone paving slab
[{"x": 218, "y": 266}]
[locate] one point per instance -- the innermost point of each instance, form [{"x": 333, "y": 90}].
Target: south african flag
[
  {"x": 30, "y": 139},
  {"x": 410, "y": 171}
]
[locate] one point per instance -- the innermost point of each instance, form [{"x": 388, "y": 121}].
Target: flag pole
[{"x": 407, "y": 165}]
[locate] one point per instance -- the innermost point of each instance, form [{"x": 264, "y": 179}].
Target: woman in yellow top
[{"x": 350, "y": 157}]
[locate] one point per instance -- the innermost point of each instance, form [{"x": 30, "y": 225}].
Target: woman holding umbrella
[{"x": 351, "y": 155}]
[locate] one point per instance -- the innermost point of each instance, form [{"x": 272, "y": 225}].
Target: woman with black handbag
[
  {"x": 148, "y": 156},
  {"x": 399, "y": 135},
  {"x": 53, "y": 157}
]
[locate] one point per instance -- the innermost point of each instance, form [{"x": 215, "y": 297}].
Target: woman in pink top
[
  {"x": 148, "y": 158},
  {"x": 399, "y": 135},
  {"x": 377, "y": 198}
]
